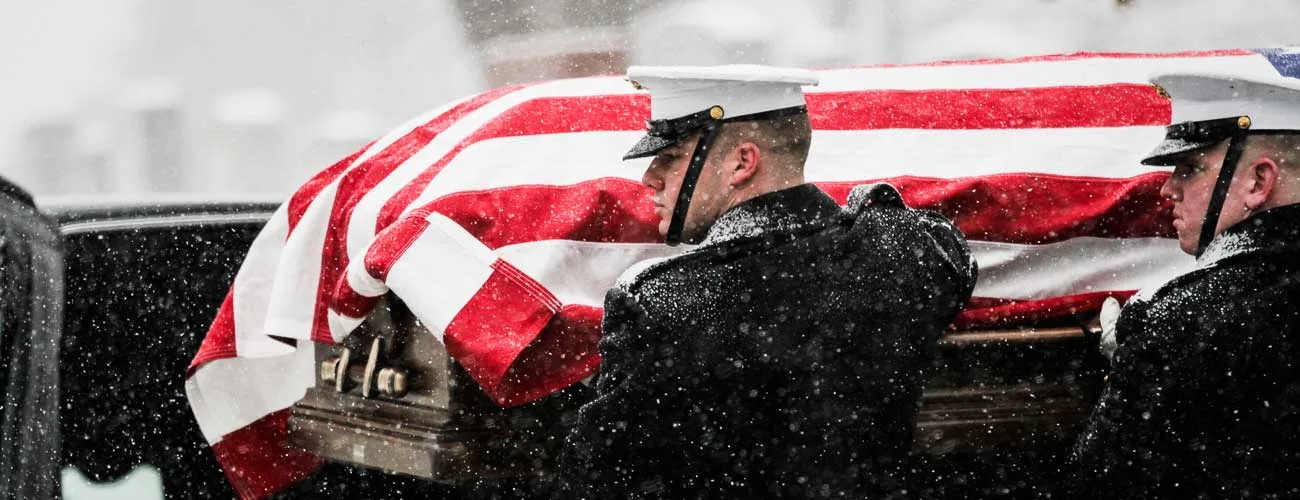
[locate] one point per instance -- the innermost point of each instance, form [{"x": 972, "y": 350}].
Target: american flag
[{"x": 503, "y": 218}]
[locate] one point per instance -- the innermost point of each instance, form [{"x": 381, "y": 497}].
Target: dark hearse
[{"x": 103, "y": 304}]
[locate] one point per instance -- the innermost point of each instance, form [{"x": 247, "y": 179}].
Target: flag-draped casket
[{"x": 501, "y": 219}]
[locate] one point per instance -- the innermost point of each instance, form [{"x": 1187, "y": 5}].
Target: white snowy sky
[
  {"x": 55, "y": 55},
  {"x": 60, "y": 58}
]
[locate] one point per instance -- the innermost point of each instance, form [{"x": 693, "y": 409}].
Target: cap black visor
[
  {"x": 649, "y": 145},
  {"x": 1169, "y": 149},
  {"x": 1187, "y": 137}
]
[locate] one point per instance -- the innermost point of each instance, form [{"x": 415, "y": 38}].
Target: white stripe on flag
[
  {"x": 361, "y": 222},
  {"x": 292, "y": 294},
  {"x": 581, "y": 272},
  {"x": 1075, "y": 266},
  {"x": 342, "y": 325},
  {"x": 361, "y": 226},
  {"x": 1113, "y": 152},
  {"x": 440, "y": 272},
  {"x": 361, "y": 281},
  {"x": 563, "y": 159},
  {"x": 406, "y": 128},
  {"x": 227, "y": 394},
  {"x": 1029, "y": 74},
  {"x": 292, "y": 308},
  {"x": 251, "y": 291}
]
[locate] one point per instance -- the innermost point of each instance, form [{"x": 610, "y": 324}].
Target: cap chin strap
[
  {"x": 709, "y": 122},
  {"x": 1235, "y": 145},
  {"x": 687, "y": 191}
]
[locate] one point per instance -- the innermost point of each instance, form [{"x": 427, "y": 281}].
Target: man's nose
[
  {"x": 1171, "y": 190},
  {"x": 651, "y": 177}
]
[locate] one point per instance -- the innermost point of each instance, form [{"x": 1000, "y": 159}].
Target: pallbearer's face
[
  {"x": 1190, "y": 188},
  {"x": 664, "y": 177}
]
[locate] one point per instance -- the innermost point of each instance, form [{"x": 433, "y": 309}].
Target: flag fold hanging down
[
  {"x": 502, "y": 326},
  {"x": 501, "y": 219}
]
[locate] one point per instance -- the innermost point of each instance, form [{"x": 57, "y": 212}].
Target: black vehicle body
[
  {"x": 31, "y": 291},
  {"x": 103, "y": 305}
]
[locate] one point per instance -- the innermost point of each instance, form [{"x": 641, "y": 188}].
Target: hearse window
[{"x": 139, "y": 303}]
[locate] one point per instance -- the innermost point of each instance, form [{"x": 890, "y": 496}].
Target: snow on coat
[
  {"x": 1204, "y": 397},
  {"x": 782, "y": 358}
]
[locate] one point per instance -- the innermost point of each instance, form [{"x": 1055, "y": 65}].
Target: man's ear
[
  {"x": 1262, "y": 177},
  {"x": 748, "y": 156}
]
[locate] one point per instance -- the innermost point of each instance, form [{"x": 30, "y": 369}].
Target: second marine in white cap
[
  {"x": 1213, "y": 117},
  {"x": 1203, "y": 397}
]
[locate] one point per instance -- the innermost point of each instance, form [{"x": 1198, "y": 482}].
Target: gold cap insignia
[
  {"x": 715, "y": 112},
  {"x": 1243, "y": 122}
]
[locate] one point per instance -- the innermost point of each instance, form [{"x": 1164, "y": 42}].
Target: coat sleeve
[
  {"x": 613, "y": 450},
  {"x": 954, "y": 253},
  {"x": 942, "y": 246},
  {"x": 1174, "y": 390}
]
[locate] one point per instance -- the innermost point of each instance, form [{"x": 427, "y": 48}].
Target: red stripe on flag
[
  {"x": 498, "y": 323},
  {"x": 1119, "y": 105},
  {"x": 1116, "y": 105},
  {"x": 303, "y": 197},
  {"x": 527, "y": 284},
  {"x": 391, "y": 243},
  {"x": 536, "y": 116},
  {"x": 560, "y": 115},
  {"x": 1011, "y": 208},
  {"x": 358, "y": 182},
  {"x": 348, "y": 302},
  {"x": 603, "y": 210},
  {"x": 1074, "y": 57},
  {"x": 565, "y": 352},
  {"x": 982, "y": 312},
  {"x": 384, "y": 252},
  {"x": 1035, "y": 209},
  {"x": 258, "y": 460},
  {"x": 219, "y": 343}
]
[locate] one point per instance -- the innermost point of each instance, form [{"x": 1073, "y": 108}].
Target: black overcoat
[
  {"x": 1204, "y": 396},
  {"x": 782, "y": 358}
]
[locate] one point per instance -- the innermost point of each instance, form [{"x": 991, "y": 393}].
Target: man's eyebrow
[{"x": 1189, "y": 164}]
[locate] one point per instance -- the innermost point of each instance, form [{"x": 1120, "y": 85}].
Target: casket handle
[{"x": 1014, "y": 336}]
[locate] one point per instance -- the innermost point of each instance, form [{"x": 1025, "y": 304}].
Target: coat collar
[
  {"x": 1275, "y": 231},
  {"x": 787, "y": 210},
  {"x": 1272, "y": 231}
]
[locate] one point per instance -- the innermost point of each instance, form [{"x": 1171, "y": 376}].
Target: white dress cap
[
  {"x": 740, "y": 89},
  {"x": 1271, "y": 103},
  {"x": 1248, "y": 105}
]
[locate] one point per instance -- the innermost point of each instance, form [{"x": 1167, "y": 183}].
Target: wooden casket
[{"x": 391, "y": 398}]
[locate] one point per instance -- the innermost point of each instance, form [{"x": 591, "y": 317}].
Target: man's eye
[{"x": 1184, "y": 171}]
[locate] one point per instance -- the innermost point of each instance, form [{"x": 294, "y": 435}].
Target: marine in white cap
[
  {"x": 767, "y": 136},
  {"x": 1203, "y": 397},
  {"x": 781, "y": 357},
  {"x": 1234, "y": 146}
]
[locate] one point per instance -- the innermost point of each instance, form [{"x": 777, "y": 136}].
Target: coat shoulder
[
  {"x": 1249, "y": 300},
  {"x": 1243, "y": 281},
  {"x": 652, "y": 272},
  {"x": 875, "y": 223},
  {"x": 882, "y": 221}
]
